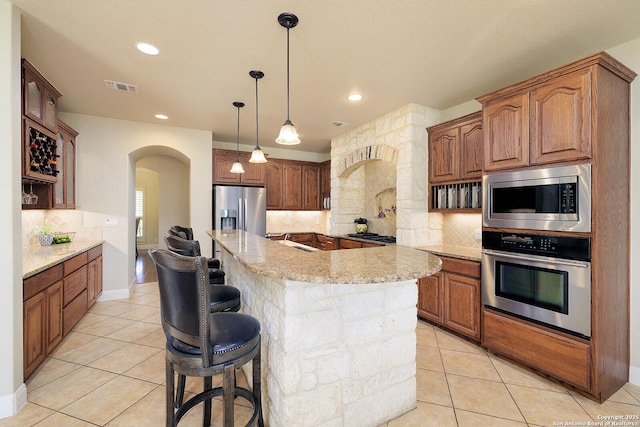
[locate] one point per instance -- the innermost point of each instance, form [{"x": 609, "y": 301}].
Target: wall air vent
[
  {"x": 338, "y": 124},
  {"x": 124, "y": 87}
]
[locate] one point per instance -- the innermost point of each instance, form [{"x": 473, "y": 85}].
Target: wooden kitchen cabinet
[
  {"x": 311, "y": 187},
  {"x": 54, "y": 300},
  {"x": 254, "y": 173},
  {"x": 563, "y": 356},
  {"x": 430, "y": 298},
  {"x": 292, "y": 179},
  {"x": 349, "y": 244},
  {"x": 325, "y": 243},
  {"x": 304, "y": 238},
  {"x": 560, "y": 119},
  {"x": 451, "y": 298},
  {"x": 325, "y": 184},
  {"x": 544, "y": 120},
  {"x": 578, "y": 113},
  {"x": 275, "y": 185},
  {"x": 462, "y": 304},
  {"x": 64, "y": 190},
  {"x": 292, "y": 185},
  {"x": 40, "y": 98},
  {"x": 94, "y": 275},
  {"x": 42, "y": 316},
  {"x": 455, "y": 163},
  {"x": 456, "y": 149}
]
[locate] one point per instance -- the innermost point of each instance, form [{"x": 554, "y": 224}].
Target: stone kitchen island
[{"x": 338, "y": 327}]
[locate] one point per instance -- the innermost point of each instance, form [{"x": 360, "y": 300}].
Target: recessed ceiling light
[
  {"x": 147, "y": 48},
  {"x": 355, "y": 97},
  {"x": 161, "y": 117}
]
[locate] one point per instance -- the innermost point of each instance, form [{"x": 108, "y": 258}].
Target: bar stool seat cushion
[{"x": 232, "y": 334}]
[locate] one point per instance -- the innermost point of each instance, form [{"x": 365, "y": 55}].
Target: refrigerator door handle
[
  {"x": 244, "y": 215},
  {"x": 240, "y": 215}
]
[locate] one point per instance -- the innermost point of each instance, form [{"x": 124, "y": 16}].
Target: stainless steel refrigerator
[{"x": 239, "y": 208}]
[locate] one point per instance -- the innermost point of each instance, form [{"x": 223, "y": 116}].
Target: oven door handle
[{"x": 518, "y": 257}]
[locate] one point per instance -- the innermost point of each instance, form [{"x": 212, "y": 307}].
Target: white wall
[
  {"x": 107, "y": 152},
  {"x": 12, "y": 390},
  {"x": 629, "y": 54}
]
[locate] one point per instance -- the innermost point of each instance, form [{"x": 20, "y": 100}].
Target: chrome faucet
[{"x": 286, "y": 235}]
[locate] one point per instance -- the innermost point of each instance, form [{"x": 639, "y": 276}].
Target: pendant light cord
[
  {"x": 288, "y": 96},
  {"x": 257, "y": 146},
  {"x": 238, "y": 138}
]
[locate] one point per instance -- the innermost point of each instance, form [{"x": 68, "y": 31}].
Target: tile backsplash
[
  {"x": 58, "y": 220},
  {"x": 298, "y": 221},
  {"x": 459, "y": 230}
]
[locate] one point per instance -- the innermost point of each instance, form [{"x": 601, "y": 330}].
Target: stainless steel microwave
[{"x": 554, "y": 198}]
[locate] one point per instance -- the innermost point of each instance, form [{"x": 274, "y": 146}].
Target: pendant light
[
  {"x": 288, "y": 134},
  {"x": 237, "y": 166},
  {"x": 257, "y": 156}
]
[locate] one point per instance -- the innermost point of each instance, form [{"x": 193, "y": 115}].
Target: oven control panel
[{"x": 570, "y": 247}]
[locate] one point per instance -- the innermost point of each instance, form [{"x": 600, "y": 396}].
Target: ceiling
[{"x": 431, "y": 52}]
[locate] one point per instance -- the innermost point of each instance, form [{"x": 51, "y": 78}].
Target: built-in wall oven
[
  {"x": 542, "y": 278},
  {"x": 552, "y": 198}
]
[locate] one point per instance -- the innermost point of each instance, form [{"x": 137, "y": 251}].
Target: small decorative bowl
[{"x": 63, "y": 236}]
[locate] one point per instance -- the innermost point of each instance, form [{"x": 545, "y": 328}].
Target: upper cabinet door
[
  {"x": 311, "y": 187},
  {"x": 292, "y": 177},
  {"x": 471, "y": 150},
  {"x": 275, "y": 190},
  {"x": 222, "y": 162},
  {"x": 32, "y": 96},
  {"x": 561, "y": 119},
  {"x": 40, "y": 98},
  {"x": 254, "y": 173},
  {"x": 506, "y": 132},
  {"x": 443, "y": 155}
]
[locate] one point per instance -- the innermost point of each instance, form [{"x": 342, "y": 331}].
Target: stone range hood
[{"x": 399, "y": 139}]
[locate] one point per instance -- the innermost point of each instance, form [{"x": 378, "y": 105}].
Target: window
[{"x": 139, "y": 213}]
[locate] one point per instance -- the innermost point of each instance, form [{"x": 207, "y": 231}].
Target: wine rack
[{"x": 40, "y": 157}]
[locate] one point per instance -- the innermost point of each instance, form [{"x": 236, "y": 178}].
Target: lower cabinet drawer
[
  {"x": 75, "y": 283},
  {"x": 553, "y": 353},
  {"x": 74, "y": 311}
]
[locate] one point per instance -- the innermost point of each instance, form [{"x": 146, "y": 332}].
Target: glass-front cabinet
[
  {"x": 48, "y": 146},
  {"x": 40, "y": 98},
  {"x": 64, "y": 190}
]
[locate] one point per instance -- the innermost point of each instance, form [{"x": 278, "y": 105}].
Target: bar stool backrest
[
  {"x": 183, "y": 246},
  {"x": 184, "y": 299},
  {"x": 184, "y": 232}
]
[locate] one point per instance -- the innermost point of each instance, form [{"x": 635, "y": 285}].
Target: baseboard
[
  {"x": 634, "y": 375},
  {"x": 10, "y": 404},
  {"x": 116, "y": 294}
]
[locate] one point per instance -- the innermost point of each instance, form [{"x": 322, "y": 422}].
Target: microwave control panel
[{"x": 568, "y": 198}]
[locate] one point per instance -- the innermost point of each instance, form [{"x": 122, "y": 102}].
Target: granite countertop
[
  {"x": 471, "y": 254},
  {"x": 461, "y": 252},
  {"x": 38, "y": 258},
  {"x": 379, "y": 264}
]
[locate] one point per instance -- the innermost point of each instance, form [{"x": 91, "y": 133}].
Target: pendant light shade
[
  {"x": 237, "y": 166},
  {"x": 257, "y": 156},
  {"x": 288, "y": 134}
]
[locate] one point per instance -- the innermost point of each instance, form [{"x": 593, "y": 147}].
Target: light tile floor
[{"x": 109, "y": 371}]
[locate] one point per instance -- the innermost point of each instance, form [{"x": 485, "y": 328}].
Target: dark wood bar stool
[
  {"x": 204, "y": 344},
  {"x": 188, "y": 247}
]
